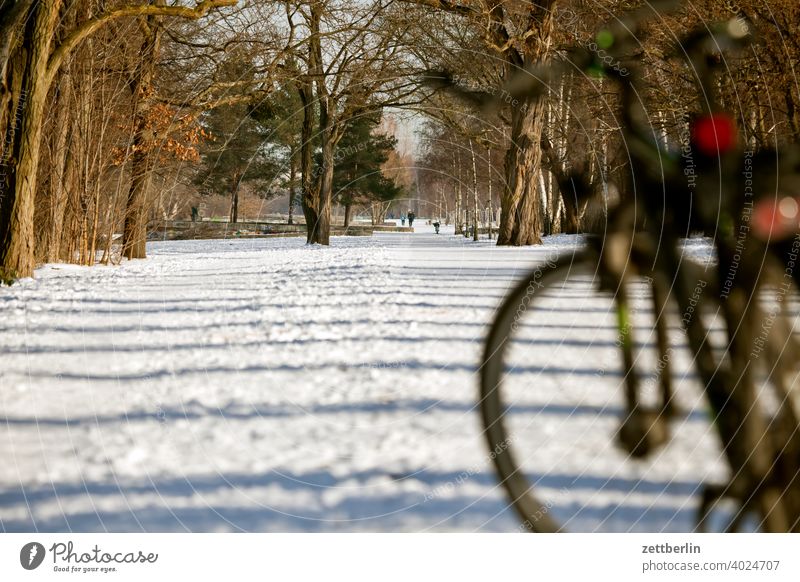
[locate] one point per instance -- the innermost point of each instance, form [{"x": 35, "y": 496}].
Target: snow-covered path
[{"x": 261, "y": 385}]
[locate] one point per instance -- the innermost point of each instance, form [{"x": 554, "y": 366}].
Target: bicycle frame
[{"x": 764, "y": 474}]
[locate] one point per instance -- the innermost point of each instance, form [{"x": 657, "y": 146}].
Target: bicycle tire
[{"x": 534, "y": 514}]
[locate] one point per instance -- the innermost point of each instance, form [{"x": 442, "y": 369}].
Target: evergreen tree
[
  {"x": 281, "y": 118},
  {"x": 358, "y": 178},
  {"x": 238, "y": 150}
]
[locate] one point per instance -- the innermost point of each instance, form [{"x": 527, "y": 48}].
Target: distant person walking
[
  {"x": 411, "y": 217},
  {"x": 403, "y": 219}
]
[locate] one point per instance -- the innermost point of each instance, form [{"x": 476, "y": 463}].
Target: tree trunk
[
  {"x": 320, "y": 206},
  {"x": 348, "y": 209},
  {"x": 546, "y": 185},
  {"x": 95, "y": 222},
  {"x": 378, "y": 212},
  {"x": 325, "y": 188},
  {"x": 568, "y": 190},
  {"x": 443, "y": 208},
  {"x": 58, "y": 195},
  {"x": 72, "y": 184},
  {"x": 312, "y": 207},
  {"x": 234, "y": 211},
  {"x": 292, "y": 178},
  {"x": 474, "y": 193},
  {"x": 134, "y": 237},
  {"x": 520, "y": 219},
  {"x": 571, "y": 223},
  {"x": 792, "y": 112},
  {"x": 84, "y": 234},
  {"x": 12, "y": 60},
  {"x": 458, "y": 222},
  {"x": 491, "y": 203},
  {"x": 89, "y": 140},
  {"x": 309, "y": 200},
  {"x": 18, "y": 186}
]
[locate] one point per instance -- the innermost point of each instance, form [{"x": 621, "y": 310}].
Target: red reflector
[
  {"x": 714, "y": 134},
  {"x": 776, "y": 219}
]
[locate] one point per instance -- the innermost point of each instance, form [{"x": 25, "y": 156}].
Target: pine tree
[
  {"x": 357, "y": 174},
  {"x": 238, "y": 148}
]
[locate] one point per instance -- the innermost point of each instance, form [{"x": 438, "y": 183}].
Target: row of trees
[
  {"x": 79, "y": 105},
  {"x": 105, "y": 107},
  {"x": 573, "y": 124},
  {"x": 108, "y": 107},
  {"x": 258, "y": 144}
]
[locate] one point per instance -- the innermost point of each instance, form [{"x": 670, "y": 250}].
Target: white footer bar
[{"x": 399, "y": 557}]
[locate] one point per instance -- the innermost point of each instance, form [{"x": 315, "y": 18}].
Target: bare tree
[
  {"x": 519, "y": 34},
  {"x": 352, "y": 66},
  {"x": 31, "y": 67}
]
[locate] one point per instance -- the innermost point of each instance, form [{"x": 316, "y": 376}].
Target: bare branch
[{"x": 87, "y": 28}]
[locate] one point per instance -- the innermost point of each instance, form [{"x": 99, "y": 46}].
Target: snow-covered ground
[{"x": 263, "y": 385}]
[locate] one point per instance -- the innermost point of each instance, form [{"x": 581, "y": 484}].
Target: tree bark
[
  {"x": 458, "y": 210},
  {"x": 58, "y": 195},
  {"x": 309, "y": 200},
  {"x": 325, "y": 188},
  {"x": 491, "y": 203},
  {"x": 292, "y": 178},
  {"x": 348, "y": 209},
  {"x": 134, "y": 237},
  {"x": 31, "y": 68},
  {"x": 574, "y": 200},
  {"x": 792, "y": 113},
  {"x": 314, "y": 208},
  {"x": 12, "y": 15},
  {"x": 474, "y": 193},
  {"x": 320, "y": 232},
  {"x": 520, "y": 219},
  {"x": 19, "y": 187},
  {"x": 234, "y": 211},
  {"x": 95, "y": 222},
  {"x": 444, "y": 211},
  {"x": 72, "y": 183}
]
